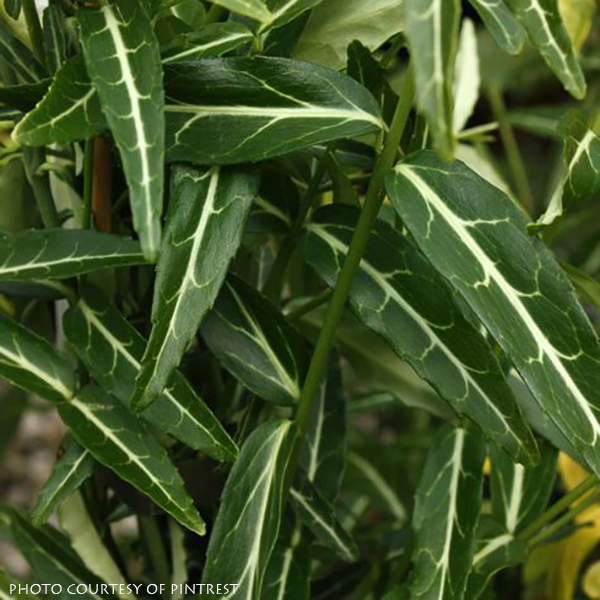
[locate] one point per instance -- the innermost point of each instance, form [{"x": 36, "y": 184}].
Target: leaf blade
[{"x": 502, "y": 25}]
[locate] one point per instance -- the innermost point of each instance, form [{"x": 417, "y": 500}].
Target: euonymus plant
[{"x": 313, "y": 287}]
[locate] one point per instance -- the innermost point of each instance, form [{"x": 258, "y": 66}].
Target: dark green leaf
[
  {"x": 205, "y": 223},
  {"x": 400, "y": 296},
  {"x": 446, "y": 513},
  {"x": 30, "y": 362},
  {"x": 19, "y": 57},
  {"x": 364, "y": 68},
  {"x": 116, "y": 439},
  {"x": 62, "y": 253},
  {"x": 112, "y": 350},
  {"x": 12, "y": 8},
  {"x": 253, "y": 340},
  {"x": 248, "y": 520},
  {"x": 502, "y": 25},
  {"x": 23, "y": 96},
  {"x": 267, "y": 106},
  {"x": 476, "y": 237},
  {"x": 123, "y": 61},
  {"x": 55, "y": 37}
]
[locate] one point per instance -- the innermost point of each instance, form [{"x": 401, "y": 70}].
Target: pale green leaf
[
  {"x": 501, "y": 23},
  {"x": 63, "y": 253},
  {"x": 179, "y": 556},
  {"x": 249, "y": 516},
  {"x": 334, "y": 24},
  {"x": 284, "y": 11},
  {"x": 112, "y": 350},
  {"x": 432, "y": 32},
  {"x": 467, "y": 76},
  {"x": 123, "y": 61},
  {"x": 446, "y": 512},
  {"x": 267, "y": 106},
  {"x": 116, "y": 439},
  {"x": 254, "y": 9},
  {"x": 477, "y": 238},
  {"x": 578, "y": 17},
  {"x": 205, "y": 223}
]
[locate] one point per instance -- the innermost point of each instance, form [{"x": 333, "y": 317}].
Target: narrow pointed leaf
[
  {"x": 116, "y": 439},
  {"x": 208, "y": 210},
  {"x": 254, "y": 9},
  {"x": 253, "y": 340},
  {"x": 30, "y": 362},
  {"x": 502, "y": 24},
  {"x": 467, "y": 76},
  {"x": 211, "y": 41},
  {"x": 432, "y": 31},
  {"x": 68, "y": 473},
  {"x": 284, "y": 11},
  {"x": 112, "y": 350},
  {"x": 12, "y": 8},
  {"x": 63, "y": 253},
  {"x": 476, "y": 237},
  {"x": 19, "y": 57},
  {"x": 392, "y": 294},
  {"x": 248, "y": 520},
  {"x": 70, "y": 111},
  {"x": 544, "y": 24},
  {"x": 55, "y": 37},
  {"x": 23, "y": 96},
  {"x": 318, "y": 515},
  {"x": 447, "y": 508},
  {"x": 520, "y": 494},
  {"x": 267, "y": 106},
  {"x": 123, "y": 60}
]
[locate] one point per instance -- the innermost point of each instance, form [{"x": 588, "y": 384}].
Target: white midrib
[
  {"x": 438, "y": 58},
  {"x": 582, "y": 147},
  {"x": 516, "y": 495},
  {"x": 492, "y": 546},
  {"x": 316, "y": 442},
  {"x": 287, "y": 563},
  {"x": 117, "y": 346},
  {"x": 112, "y": 25},
  {"x": 390, "y": 291},
  {"x": 203, "y": 47},
  {"x": 456, "y": 461},
  {"x": 504, "y": 287}
]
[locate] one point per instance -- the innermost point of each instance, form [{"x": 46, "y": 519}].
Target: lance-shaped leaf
[
  {"x": 55, "y": 32},
  {"x": 52, "y": 559},
  {"x": 284, "y": 11},
  {"x": 399, "y": 295},
  {"x": 70, "y": 111},
  {"x": 254, "y": 9},
  {"x": 253, "y": 340},
  {"x": 520, "y": 494},
  {"x": 30, "y": 362},
  {"x": 116, "y": 439},
  {"x": 112, "y": 350},
  {"x": 467, "y": 75},
  {"x": 267, "y": 106},
  {"x": 502, "y": 24},
  {"x": 23, "y": 96},
  {"x": 68, "y": 473},
  {"x": 205, "y": 223},
  {"x": 212, "y": 40},
  {"x": 432, "y": 31},
  {"x": 318, "y": 515},
  {"x": 446, "y": 511},
  {"x": 12, "y": 8},
  {"x": 476, "y": 237},
  {"x": 288, "y": 574},
  {"x": 323, "y": 451},
  {"x": 248, "y": 520},
  {"x": 495, "y": 549},
  {"x": 63, "y": 253},
  {"x": 544, "y": 24},
  {"x": 19, "y": 57},
  {"x": 123, "y": 60}
]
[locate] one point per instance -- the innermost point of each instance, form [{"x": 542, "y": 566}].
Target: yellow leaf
[
  {"x": 578, "y": 16},
  {"x": 591, "y": 581}
]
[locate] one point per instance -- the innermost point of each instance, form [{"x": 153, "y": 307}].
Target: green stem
[
  {"x": 392, "y": 52},
  {"x": 585, "y": 486},
  {"x": 515, "y": 161},
  {"x": 156, "y": 550},
  {"x": 309, "y": 305},
  {"x": 564, "y": 520},
  {"x": 88, "y": 183},
  {"x": 40, "y": 184},
  {"x": 368, "y": 216},
  {"x": 34, "y": 28}
]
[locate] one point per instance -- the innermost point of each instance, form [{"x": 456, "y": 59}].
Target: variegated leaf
[
  {"x": 254, "y": 9},
  {"x": 502, "y": 24},
  {"x": 18, "y": 57}
]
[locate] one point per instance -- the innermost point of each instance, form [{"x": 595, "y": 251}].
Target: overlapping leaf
[
  {"x": 70, "y": 110},
  {"x": 30, "y": 362},
  {"x": 284, "y": 11},
  {"x": 55, "y": 37},
  {"x": 19, "y": 57},
  {"x": 446, "y": 511},
  {"x": 23, "y": 96},
  {"x": 248, "y": 520},
  {"x": 432, "y": 31},
  {"x": 544, "y": 24},
  {"x": 119, "y": 441},
  {"x": 254, "y": 9},
  {"x": 267, "y": 106},
  {"x": 476, "y": 237},
  {"x": 205, "y": 223},
  {"x": 255, "y": 343},
  {"x": 400, "y": 296},
  {"x": 68, "y": 473},
  {"x": 63, "y": 253},
  {"x": 123, "y": 61},
  {"x": 112, "y": 349},
  {"x": 501, "y": 23}
]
